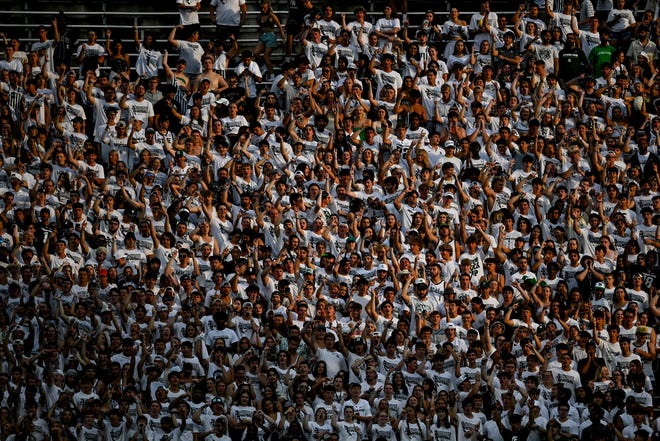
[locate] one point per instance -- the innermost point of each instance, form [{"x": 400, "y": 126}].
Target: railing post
[
  {"x": 135, "y": 26},
  {"x": 26, "y": 7},
  {"x": 104, "y": 17}
]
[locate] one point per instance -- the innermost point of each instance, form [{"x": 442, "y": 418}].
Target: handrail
[
  {"x": 106, "y": 15},
  {"x": 173, "y": 14},
  {"x": 206, "y": 13},
  {"x": 206, "y": 26}
]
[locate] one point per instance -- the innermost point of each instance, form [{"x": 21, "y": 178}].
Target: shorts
[
  {"x": 294, "y": 28},
  {"x": 223, "y": 32},
  {"x": 268, "y": 39}
]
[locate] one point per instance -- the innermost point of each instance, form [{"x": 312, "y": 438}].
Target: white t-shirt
[
  {"x": 227, "y": 12},
  {"x": 192, "y": 53},
  {"x": 385, "y": 25},
  {"x": 188, "y": 16},
  {"x": 149, "y": 62}
]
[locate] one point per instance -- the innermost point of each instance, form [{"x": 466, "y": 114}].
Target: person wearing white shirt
[
  {"x": 386, "y": 28},
  {"x": 150, "y": 60},
  {"x": 228, "y": 16},
  {"x": 315, "y": 49},
  {"x": 482, "y": 24},
  {"x": 90, "y": 54},
  {"x": 248, "y": 72},
  {"x": 189, "y": 13},
  {"x": 358, "y": 25},
  {"x": 620, "y": 20},
  {"x": 328, "y": 27},
  {"x": 189, "y": 50}
]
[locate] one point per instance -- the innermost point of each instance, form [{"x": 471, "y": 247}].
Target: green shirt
[{"x": 599, "y": 55}]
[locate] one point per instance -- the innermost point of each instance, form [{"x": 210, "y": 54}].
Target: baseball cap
[{"x": 420, "y": 281}]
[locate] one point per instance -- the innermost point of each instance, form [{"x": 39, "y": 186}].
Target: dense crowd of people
[{"x": 391, "y": 228}]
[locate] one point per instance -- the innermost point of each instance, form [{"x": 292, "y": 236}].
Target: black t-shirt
[
  {"x": 597, "y": 430},
  {"x": 163, "y": 108},
  {"x": 233, "y": 94},
  {"x": 590, "y": 375},
  {"x": 572, "y": 62},
  {"x": 511, "y": 52}
]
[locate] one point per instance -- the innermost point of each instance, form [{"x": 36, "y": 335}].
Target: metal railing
[
  {"x": 441, "y": 16},
  {"x": 83, "y": 20}
]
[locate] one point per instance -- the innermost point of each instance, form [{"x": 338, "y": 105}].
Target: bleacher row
[{"x": 22, "y": 23}]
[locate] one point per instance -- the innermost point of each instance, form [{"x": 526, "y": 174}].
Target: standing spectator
[
  {"x": 189, "y": 14},
  {"x": 328, "y": 26},
  {"x": 386, "y": 28},
  {"x": 267, "y": 22},
  {"x": 642, "y": 45},
  {"x": 601, "y": 54},
  {"x": 508, "y": 54},
  {"x": 90, "y": 55},
  {"x": 386, "y": 75},
  {"x": 138, "y": 107},
  {"x": 546, "y": 52},
  {"x": 360, "y": 28},
  {"x": 228, "y": 16},
  {"x": 101, "y": 105},
  {"x": 453, "y": 30},
  {"x": 572, "y": 61},
  {"x": 119, "y": 60},
  {"x": 315, "y": 49},
  {"x": 565, "y": 20},
  {"x": 603, "y": 8},
  {"x": 149, "y": 63},
  {"x": 295, "y": 22},
  {"x": 217, "y": 81},
  {"x": 45, "y": 47},
  {"x": 180, "y": 82},
  {"x": 590, "y": 37},
  {"x": 248, "y": 73},
  {"x": 191, "y": 51},
  {"x": 10, "y": 62},
  {"x": 621, "y": 22},
  {"x": 586, "y": 14},
  {"x": 483, "y": 23}
]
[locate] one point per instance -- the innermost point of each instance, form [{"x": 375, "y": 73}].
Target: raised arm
[{"x": 171, "y": 38}]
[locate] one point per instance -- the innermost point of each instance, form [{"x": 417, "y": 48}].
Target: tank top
[{"x": 266, "y": 22}]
